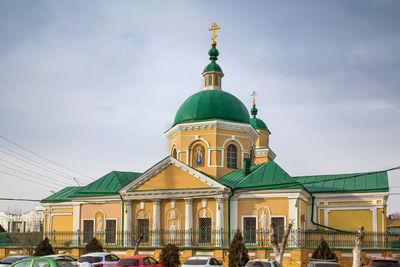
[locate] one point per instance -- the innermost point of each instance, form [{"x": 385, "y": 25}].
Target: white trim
[
  {"x": 214, "y": 124},
  {"x": 197, "y": 138},
  {"x": 209, "y": 156},
  {"x": 173, "y": 144},
  {"x": 234, "y": 214},
  {"x": 293, "y": 212}
]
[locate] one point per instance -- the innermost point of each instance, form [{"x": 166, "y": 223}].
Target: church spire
[{"x": 212, "y": 72}]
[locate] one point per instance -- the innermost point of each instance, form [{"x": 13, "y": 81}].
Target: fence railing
[{"x": 199, "y": 238}]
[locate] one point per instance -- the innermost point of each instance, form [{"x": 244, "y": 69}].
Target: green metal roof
[
  {"x": 268, "y": 175},
  {"x": 109, "y": 184},
  {"x": 210, "y": 105},
  {"x": 258, "y": 124},
  {"x": 213, "y": 66},
  {"x": 346, "y": 183},
  {"x": 62, "y": 195}
]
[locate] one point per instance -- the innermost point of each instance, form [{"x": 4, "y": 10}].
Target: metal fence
[{"x": 206, "y": 238}]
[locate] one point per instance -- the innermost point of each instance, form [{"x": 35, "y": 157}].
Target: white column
[
  {"x": 219, "y": 225},
  {"x": 76, "y": 211},
  {"x": 156, "y": 223},
  {"x": 188, "y": 222},
  {"x": 293, "y": 215},
  {"x": 127, "y": 223},
  {"x": 234, "y": 216}
]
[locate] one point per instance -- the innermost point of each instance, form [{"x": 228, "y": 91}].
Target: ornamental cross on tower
[
  {"x": 213, "y": 28},
  {"x": 254, "y": 97}
]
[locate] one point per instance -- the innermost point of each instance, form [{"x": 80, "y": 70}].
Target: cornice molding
[
  {"x": 266, "y": 151},
  {"x": 214, "y": 124}
]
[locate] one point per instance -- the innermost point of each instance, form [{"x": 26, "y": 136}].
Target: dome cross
[
  {"x": 213, "y": 28},
  {"x": 254, "y": 94}
]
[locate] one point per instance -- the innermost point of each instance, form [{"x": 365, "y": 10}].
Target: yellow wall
[
  {"x": 249, "y": 206},
  {"x": 62, "y": 223},
  {"x": 215, "y": 138},
  {"x": 172, "y": 177},
  {"x": 350, "y": 219}
]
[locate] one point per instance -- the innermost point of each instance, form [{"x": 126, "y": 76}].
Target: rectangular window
[
  {"x": 250, "y": 230},
  {"x": 111, "y": 231},
  {"x": 205, "y": 230},
  {"x": 280, "y": 227},
  {"x": 88, "y": 229},
  {"x": 143, "y": 228}
]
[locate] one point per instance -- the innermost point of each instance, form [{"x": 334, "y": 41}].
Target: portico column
[
  {"x": 234, "y": 216},
  {"x": 219, "y": 226},
  {"x": 188, "y": 222},
  {"x": 127, "y": 223},
  {"x": 156, "y": 223}
]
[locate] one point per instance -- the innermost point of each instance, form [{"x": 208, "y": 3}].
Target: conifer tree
[
  {"x": 44, "y": 248},
  {"x": 324, "y": 252},
  {"x": 93, "y": 246},
  {"x": 238, "y": 256},
  {"x": 170, "y": 256}
]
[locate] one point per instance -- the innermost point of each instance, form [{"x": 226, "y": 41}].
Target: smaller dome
[
  {"x": 213, "y": 66},
  {"x": 258, "y": 124}
]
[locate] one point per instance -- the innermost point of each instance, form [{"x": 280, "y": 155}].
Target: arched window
[
  {"x": 210, "y": 80},
  {"x": 216, "y": 81},
  {"x": 198, "y": 156},
  {"x": 174, "y": 154},
  {"x": 231, "y": 157}
]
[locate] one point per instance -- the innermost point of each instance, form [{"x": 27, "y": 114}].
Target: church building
[{"x": 220, "y": 175}]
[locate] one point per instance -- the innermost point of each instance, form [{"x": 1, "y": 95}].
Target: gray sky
[{"x": 93, "y": 85}]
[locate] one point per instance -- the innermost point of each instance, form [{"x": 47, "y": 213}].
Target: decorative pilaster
[
  {"x": 234, "y": 216},
  {"x": 156, "y": 223},
  {"x": 76, "y": 211},
  {"x": 219, "y": 237},
  {"x": 127, "y": 223},
  {"x": 188, "y": 222}
]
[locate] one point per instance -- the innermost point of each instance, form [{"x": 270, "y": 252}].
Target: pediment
[{"x": 171, "y": 174}]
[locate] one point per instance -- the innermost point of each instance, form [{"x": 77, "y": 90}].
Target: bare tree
[
  {"x": 138, "y": 236},
  {"x": 358, "y": 246},
  {"x": 279, "y": 252}
]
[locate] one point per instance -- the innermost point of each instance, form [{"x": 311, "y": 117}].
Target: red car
[
  {"x": 138, "y": 261},
  {"x": 380, "y": 262}
]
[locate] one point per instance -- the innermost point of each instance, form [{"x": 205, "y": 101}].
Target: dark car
[
  {"x": 139, "y": 261},
  {"x": 10, "y": 260},
  {"x": 380, "y": 262}
]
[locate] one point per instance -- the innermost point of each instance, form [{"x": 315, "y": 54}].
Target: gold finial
[
  {"x": 214, "y": 27},
  {"x": 254, "y": 94}
]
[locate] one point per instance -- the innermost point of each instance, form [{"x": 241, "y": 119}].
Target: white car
[
  {"x": 201, "y": 262},
  {"x": 98, "y": 259},
  {"x": 262, "y": 263}
]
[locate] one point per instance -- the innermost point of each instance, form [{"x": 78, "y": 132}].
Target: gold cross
[
  {"x": 254, "y": 97},
  {"x": 214, "y": 27}
]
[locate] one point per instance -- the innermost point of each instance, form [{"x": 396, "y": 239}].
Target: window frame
[
  {"x": 203, "y": 156},
  {"x": 115, "y": 234},
  {"x": 206, "y": 236},
  {"x": 83, "y": 230},
  {"x": 256, "y": 229},
  {"x": 146, "y": 236},
  {"x": 228, "y": 161}
]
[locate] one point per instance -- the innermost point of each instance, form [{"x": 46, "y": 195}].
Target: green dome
[
  {"x": 258, "y": 124},
  {"x": 211, "y": 105},
  {"x": 213, "y": 66}
]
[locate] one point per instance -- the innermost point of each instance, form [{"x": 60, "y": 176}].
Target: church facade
[{"x": 220, "y": 176}]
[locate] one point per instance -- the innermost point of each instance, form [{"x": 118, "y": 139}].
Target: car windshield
[
  {"x": 90, "y": 259},
  {"x": 128, "y": 262},
  {"x": 258, "y": 264},
  {"x": 378, "y": 263},
  {"x": 64, "y": 263},
  {"x": 196, "y": 262}
]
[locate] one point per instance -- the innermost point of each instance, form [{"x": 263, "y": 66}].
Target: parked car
[
  {"x": 98, "y": 259},
  {"x": 201, "y": 262},
  {"x": 322, "y": 263},
  {"x": 42, "y": 262},
  {"x": 63, "y": 257},
  {"x": 380, "y": 262},
  {"x": 140, "y": 261},
  {"x": 262, "y": 263},
  {"x": 10, "y": 260}
]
